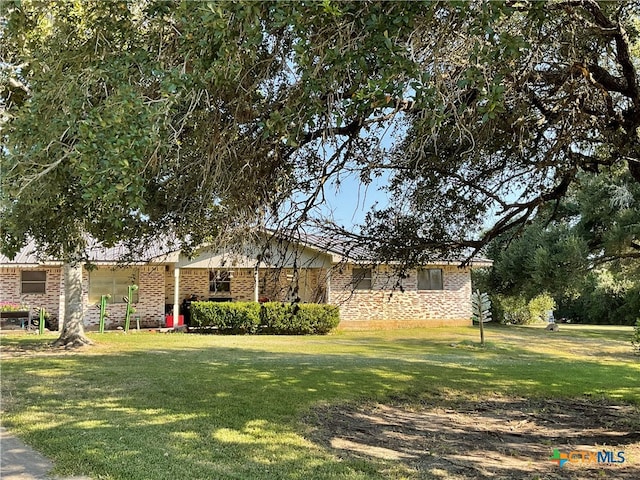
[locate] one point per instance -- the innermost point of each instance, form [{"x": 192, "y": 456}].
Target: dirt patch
[{"x": 498, "y": 439}]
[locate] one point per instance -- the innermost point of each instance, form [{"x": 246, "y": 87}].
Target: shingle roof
[
  {"x": 341, "y": 247},
  {"x": 354, "y": 252},
  {"x": 94, "y": 253}
]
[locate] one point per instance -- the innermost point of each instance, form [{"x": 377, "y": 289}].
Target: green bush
[
  {"x": 635, "y": 339},
  {"x": 236, "y": 317},
  {"x": 540, "y": 306},
  {"x": 315, "y": 319},
  {"x": 275, "y": 317},
  {"x": 271, "y": 317},
  {"x": 516, "y": 310},
  {"x": 298, "y": 319}
]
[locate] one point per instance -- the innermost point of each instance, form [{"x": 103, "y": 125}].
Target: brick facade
[
  {"x": 51, "y": 300},
  {"x": 384, "y": 305},
  {"x": 149, "y": 308},
  {"x": 275, "y": 284},
  {"x": 389, "y": 305}
]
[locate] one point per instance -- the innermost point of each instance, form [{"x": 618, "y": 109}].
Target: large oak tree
[{"x": 125, "y": 119}]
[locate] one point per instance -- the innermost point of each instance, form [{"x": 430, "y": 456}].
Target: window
[
  {"x": 112, "y": 282},
  {"x": 219, "y": 281},
  {"x": 34, "y": 281},
  {"x": 361, "y": 278},
  {"x": 430, "y": 279}
]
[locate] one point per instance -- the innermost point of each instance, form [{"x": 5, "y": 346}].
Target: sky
[{"x": 350, "y": 203}]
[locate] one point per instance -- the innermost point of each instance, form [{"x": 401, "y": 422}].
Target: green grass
[{"x": 152, "y": 406}]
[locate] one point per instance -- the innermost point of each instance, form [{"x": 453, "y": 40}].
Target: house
[{"x": 369, "y": 295}]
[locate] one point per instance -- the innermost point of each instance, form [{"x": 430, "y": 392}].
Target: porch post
[
  {"x": 176, "y": 296},
  {"x": 256, "y": 283},
  {"x": 327, "y": 296}
]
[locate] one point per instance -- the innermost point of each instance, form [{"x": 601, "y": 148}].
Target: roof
[
  {"x": 341, "y": 250},
  {"x": 347, "y": 250},
  {"x": 95, "y": 253}
]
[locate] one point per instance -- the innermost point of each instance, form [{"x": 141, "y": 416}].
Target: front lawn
[{"x": 178, "y": 406}]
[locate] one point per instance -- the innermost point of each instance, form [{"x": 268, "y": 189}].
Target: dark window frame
[
  {"x": 362, "y": 278},
  {"x": 428, "y": 280},
  {"x": 219, "y": 281},
  {"x": 35, "y": 286}
]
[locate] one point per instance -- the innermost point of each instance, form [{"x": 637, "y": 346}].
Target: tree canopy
[
  {"x": 584, "y": 252},
  {"x": 125, "y": 119}
]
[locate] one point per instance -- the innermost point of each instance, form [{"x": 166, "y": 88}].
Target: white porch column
[
  {"x": 176, "y": 296},
  {"x": 256, "y": 283},
  {"x": 61, "y": 300},
  {"x": 328, "y": 286}
]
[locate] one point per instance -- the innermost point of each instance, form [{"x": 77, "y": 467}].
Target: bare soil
[{"x": 497, "y": 439}]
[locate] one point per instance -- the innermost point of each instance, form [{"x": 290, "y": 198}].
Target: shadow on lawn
[
  {"x": 508, "y": 438},
  {"x": 221, "y": 412}
]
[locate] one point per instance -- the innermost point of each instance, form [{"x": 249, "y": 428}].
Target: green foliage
[
  {"x": 124, "y": 119},
  {"x": 514, "y": 310},
  {"x": 298, "y": 319},
  {"x": 232, "y": 317},
  {"x": 271, "y": 317},
  {"x": 540, "y": 306},
  {"x": 605, "y": 296},
  {"x": 635, "y": 339},
  {"x": 517, "y": 310},
  {"x": 584, "y": 252},
  {"x": 12, "y": 307}
]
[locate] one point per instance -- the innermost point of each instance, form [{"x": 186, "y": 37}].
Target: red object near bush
[{"x": 169, "y": 320}]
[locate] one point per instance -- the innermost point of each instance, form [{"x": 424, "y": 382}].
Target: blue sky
[{"x": 350, "y": 203}]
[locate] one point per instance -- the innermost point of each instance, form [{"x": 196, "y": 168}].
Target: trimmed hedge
[
  {"x": 232, "y": 317},
  {"x": 271, "y": 317}
]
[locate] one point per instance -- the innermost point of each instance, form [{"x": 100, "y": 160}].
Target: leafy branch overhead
[{"x": 122, "y": 119}]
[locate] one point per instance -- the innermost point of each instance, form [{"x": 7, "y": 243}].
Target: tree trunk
[{"x": 72, "y": 334}]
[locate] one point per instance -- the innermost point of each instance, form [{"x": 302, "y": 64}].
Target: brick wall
[
  {"x": 274, "y": 284},
  {"x": 386, "y": 306},
  {"x": 11, "y": 291},
  {"x": 150, "y": 305},
  {"x": 381, "y": 307}
]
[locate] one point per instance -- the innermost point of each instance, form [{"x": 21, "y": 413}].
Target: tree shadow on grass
[
  {"x": 507, "y": 438},
  {"x": 221, "y": 412}
]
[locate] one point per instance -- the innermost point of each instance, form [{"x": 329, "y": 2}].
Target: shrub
[
  {"x": 275, "y": 317},
  {"x": 514, "y": 310},
  {"x": 540, "y": 306},
  {"x": 237, "y": 317},
  {"x": 517, "y": 310},
  {"x": 635, "y": 339},
  {"x": 310, "y": 318},
  {"x": 272, "y": 317},
  {"x": 298, "y": 319}
]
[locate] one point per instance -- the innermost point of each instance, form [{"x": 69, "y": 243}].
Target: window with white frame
[
  {"x": 219, "y": 281},
  {"x": 430, "y": 279},
  {"x": 34, "y": 281},
  {"x": 114, "y": 282},
  {"x": 361, "y": 279}
]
